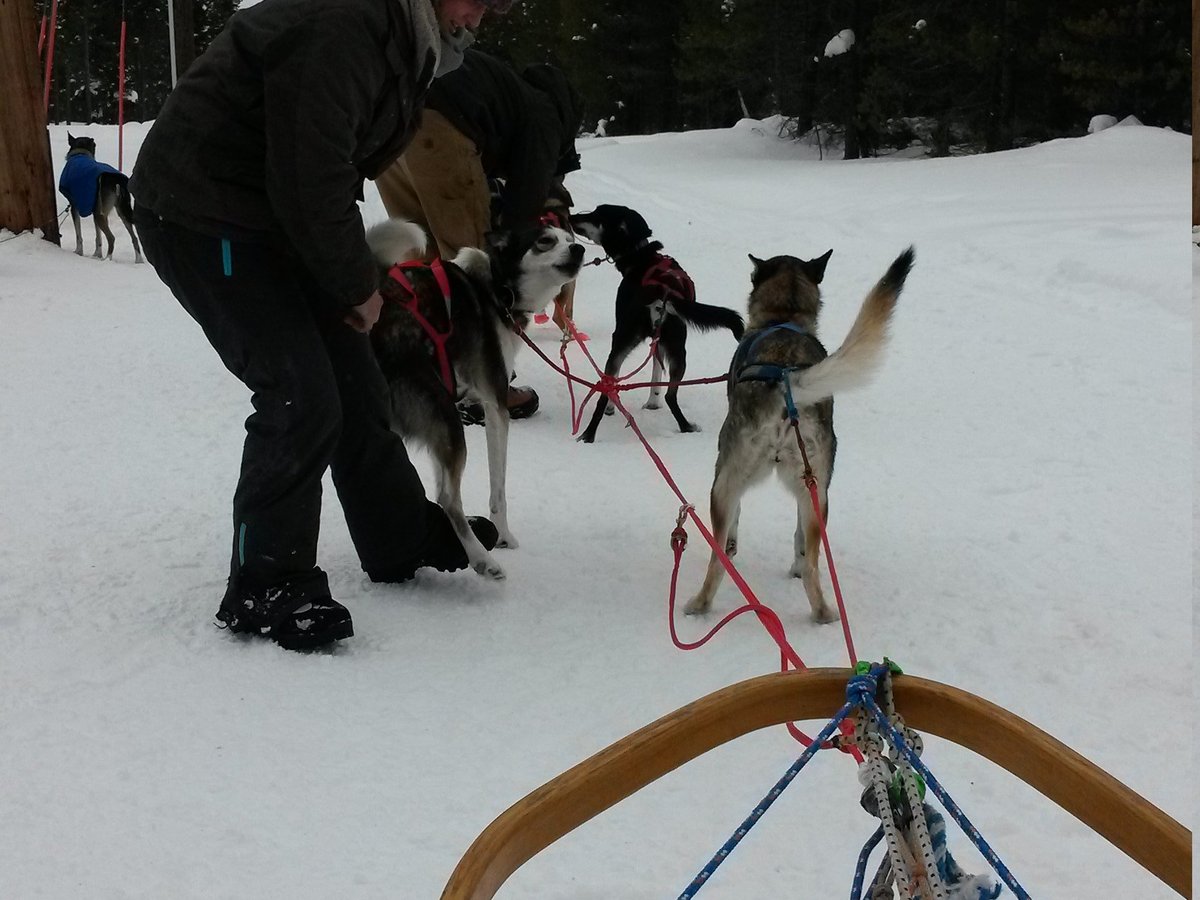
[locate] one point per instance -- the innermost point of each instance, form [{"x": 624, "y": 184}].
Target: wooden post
[
  {"x": 26, "y": 174},
  {"x": 1195, "y": 113}
]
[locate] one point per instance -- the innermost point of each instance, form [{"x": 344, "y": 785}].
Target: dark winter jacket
[
  {"x": 270, "y": 133},
  {"x": 524, "y": 126}
]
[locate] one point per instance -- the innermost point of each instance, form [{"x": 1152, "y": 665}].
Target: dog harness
[
  {"x": 668, "y": 276},
  {"x": 743, "y": 366},
  {"x": 439, "y": 338},
  {"x": 79, "y": 180}
]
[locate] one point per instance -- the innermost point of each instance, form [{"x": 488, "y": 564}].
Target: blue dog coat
[{"x": 79, "y": 181}]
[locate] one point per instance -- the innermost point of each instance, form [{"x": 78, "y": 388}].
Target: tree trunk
[
  {"x": 85, "y": 37},
  {"x": 26, "y": 175},
  {"x": 185, "y": 35},
  {"x": 1195, "y": 112}
]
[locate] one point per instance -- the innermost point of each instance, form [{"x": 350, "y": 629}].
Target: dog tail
[
  {"x": 854, "y": 363},
  {"x": 124, "y": 200},
  {"x": 397, "y": 241},
  {"x": 706, "y": 318}
]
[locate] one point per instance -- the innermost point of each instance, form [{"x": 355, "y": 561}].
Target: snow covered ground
[{"x": 1012, "y": 514}]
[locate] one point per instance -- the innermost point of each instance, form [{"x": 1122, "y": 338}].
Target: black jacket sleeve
[
  {"x": 532, "y": 162},
  {"x": 320, "y": 90}
]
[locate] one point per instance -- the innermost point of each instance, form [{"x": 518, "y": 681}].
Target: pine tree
[{"x": 1128, "y": 58}]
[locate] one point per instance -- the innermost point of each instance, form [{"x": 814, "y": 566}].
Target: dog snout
[{"x": 576, "y": 251}]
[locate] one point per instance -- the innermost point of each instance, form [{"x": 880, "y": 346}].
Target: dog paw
[
  {"x": 697, "y": 606},
  {"x": 690, "y": 428},
  {"x": 488, "y": 568},
  {"x": 797, "y": 570},
  {"x": 507, "y": 541},
  {"x": 824, "y": 615},
  {"x": 731, "y": 547},
  {"x": 610, "y": 410},
  {"x": 587, "y": 438},
  {"x": 652, "y": 403}
]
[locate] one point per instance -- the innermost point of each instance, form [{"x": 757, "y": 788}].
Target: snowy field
[{"x": 1012, "y": 514}]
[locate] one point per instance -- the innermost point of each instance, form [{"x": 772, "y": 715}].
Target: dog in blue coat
[{"x": 95, "y": 189}]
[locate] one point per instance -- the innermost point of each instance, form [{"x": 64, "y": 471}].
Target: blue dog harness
[
  {"x": 79, "y": 180},
  {"x": 743, "y": 366}
]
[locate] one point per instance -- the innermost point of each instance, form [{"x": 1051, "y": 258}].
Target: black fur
[{"x": 626, "y": 238}]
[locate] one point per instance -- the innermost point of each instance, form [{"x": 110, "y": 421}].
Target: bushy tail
[
  {"x": 706, "y": 318},
  {"x": 854, "y": 363},
  {"x": 397, "y": 241}
]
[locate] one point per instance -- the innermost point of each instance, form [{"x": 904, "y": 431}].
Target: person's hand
[{"x": 364, "y": 316}]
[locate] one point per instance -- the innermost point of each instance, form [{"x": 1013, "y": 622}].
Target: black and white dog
[
  {"x": 780, "y": 371},
  {"x": 448, "y": 331},
  {"x": 655, "y": 297},
  {"x": 95, "y": 189}
]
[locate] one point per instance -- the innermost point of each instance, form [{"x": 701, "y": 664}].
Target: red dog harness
[
  {"x": 439, "y": 338},
  {"x": 668, "y": 276}
]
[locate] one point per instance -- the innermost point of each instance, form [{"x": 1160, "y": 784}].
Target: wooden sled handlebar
[{"x": 1142, "y": 831}]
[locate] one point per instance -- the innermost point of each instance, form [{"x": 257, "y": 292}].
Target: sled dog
[
  {"x": 781, "y": 371},
  {"x": 655, "y": 297},
  {"x": 472, "y": 306},
  {"x": 95, "y": 189}
]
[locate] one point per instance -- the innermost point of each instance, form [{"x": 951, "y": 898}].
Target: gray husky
[
  {"x": 474, "y": 307},
  {"x": 96, "y": 189},
  {"x": 781, "y": 371}
]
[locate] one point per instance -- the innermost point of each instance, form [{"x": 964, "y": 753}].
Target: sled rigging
[{"x": 1132, "y": 824}]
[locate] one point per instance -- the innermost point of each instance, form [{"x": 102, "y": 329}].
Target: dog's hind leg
[
  {"x": 653, "y": 401},
  {"x": 731, "y": 542},
  {"x": 728, "y": 487},
  {"x": 808, "y": 549},
  {"x": 125, "y": 211},
  {"x": 677, "y": 367},
  {"x": 102, "y": 225}
]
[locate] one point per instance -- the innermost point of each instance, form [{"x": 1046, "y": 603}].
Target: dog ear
[
  {"x": 70, "y": 138},
  {"x": 756, "y": 262},
  {"x": 815, "y": 268}
]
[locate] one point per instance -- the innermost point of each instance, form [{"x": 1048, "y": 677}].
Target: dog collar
[{"x": 640, "y": 245}]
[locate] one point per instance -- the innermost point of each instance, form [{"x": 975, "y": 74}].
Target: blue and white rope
[{"x": 897, "y": 741}]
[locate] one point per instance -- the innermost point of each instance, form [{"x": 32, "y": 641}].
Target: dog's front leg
[
  {"x": 78, "y": 232},
  {"x": 496, "y": 422},
  {"x": 452, "y": 465}
]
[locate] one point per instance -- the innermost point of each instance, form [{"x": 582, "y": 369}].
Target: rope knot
[
  {"x": 862, "y": 687},
  {"x": 679, "y": 539},
  {"x": 679, "y": 535},
  {"x": 608, "y": 386}
]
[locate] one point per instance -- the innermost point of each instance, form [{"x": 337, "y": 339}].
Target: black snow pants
[{"x": 319, "y": 401}]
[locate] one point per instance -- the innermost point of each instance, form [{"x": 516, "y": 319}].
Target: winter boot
[
  {"x": 442, "y": 551},
  {"x": 297, "y": 614}
]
